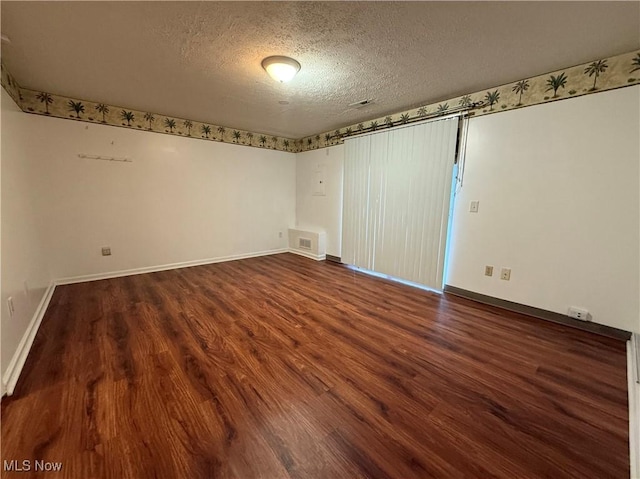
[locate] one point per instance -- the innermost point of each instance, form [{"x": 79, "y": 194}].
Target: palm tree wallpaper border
[
  {"x": 592, "y": 77},
  {"x": 11, "y": 85},
  {"x": 49, "y": 104}
]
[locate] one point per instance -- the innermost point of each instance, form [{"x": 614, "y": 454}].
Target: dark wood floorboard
[{"x": 282, "y": 367}]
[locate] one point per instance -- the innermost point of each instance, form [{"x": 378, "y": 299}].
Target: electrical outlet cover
[
  {"x": 579, "y": 313},
  {"x": 505, "y": 274}
]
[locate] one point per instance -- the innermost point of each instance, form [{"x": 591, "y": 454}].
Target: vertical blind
[{"x": 397, "y": 191}]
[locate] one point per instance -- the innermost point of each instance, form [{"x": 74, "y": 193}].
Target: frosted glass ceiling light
[{"x": 280, "y": 68}]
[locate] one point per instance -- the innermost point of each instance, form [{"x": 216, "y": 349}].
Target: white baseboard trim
[
  {"x": 317, "y": 257},
  {"x": 164, "y": 267},
  {"x": 12, "y": 373},
  {"x": 634, "y": 405}
]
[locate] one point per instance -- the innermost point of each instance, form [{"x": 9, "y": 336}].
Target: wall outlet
[
  {"x": 579, "y": 313},
  {"x": 473, "y": 207},
  {"x": 488, "y": 270},
  {"x": 505, "y": 274},
  {"x": 106, "y": 251},
  {"x": 10, "y": 306}
]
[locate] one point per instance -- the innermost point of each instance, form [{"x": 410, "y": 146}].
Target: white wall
[
  {"x": 558, "y": 186},
  {"x": 321, "y": 212},
  {"x": 179, "y": 200},
  {"x": 23, "y": 249}
]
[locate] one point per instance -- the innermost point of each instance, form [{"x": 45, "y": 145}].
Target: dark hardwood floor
[{"x": 282, "y": 367}]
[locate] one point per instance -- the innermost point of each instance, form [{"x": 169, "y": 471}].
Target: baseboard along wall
[
  {"x": 11, "y": 375},
  {"x": 307, "y": 254},
  {"x": 552, "y": 316},
  {"x": 633, "y": 381},
  {"x": 165, "y": 267}
]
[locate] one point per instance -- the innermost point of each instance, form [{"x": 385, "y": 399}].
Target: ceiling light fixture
[{"x": 280, "y": 68}]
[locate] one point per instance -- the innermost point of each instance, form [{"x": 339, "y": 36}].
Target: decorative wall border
[
  {"x": 593, "y": 77},
  {"x": 57, "y": 106},
  {"x": 10, "y": 84}
]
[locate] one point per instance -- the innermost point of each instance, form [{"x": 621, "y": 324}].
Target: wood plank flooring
[{"x": 282, "y": 367}]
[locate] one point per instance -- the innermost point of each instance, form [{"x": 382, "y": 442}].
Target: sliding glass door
[{"x": 397, "y": 191}]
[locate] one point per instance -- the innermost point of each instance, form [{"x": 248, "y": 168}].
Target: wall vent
[
  {"x": 304, "y": 243},
  {"x": 309, "y": 243}
]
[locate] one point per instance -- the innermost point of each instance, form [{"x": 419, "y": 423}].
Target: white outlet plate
[
  {"x": 488, "y": 270},
  {"x": 473, "y": 207},
  {"x": 106, "y": 251},
  {"x": 505, "y": 274}
]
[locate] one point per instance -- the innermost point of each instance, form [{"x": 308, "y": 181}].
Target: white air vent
[
  {"x": 304, "y": 243},
  {"x": 308, "y": 242}
]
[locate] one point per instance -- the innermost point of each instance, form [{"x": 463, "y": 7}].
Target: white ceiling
[{"x": 201, "y": 60}]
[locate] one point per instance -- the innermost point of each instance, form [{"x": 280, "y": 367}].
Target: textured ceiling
[{"x": 201, "y": 60}]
